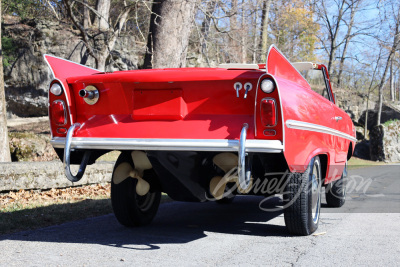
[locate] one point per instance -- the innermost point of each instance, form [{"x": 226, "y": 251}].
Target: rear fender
[{"x": 62, "y": 69}]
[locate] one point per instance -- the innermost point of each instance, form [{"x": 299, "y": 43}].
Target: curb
[{"x": 47, "y": 175}]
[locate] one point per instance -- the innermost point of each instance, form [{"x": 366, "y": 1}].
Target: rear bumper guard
[{"x": 241, "y": 146}]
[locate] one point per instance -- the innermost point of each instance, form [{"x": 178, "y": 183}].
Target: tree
[
  {"x": 264, "y": 29},
  {"x": 293, "y": 29},
  {"x": 168, "y": 39},
  {"x": 4, "y": 147},
  {"x": 354, "y": 4},
  {"x": 101, "y": 41},
  {"x": 394, "y": 16}
]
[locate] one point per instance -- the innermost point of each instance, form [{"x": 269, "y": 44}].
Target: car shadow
[{"x": 175, "y": 223}]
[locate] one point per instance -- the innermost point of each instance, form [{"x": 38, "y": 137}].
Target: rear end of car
[
  {"x": 188, "y": 118},
  {"x": 197, "y": 134}
]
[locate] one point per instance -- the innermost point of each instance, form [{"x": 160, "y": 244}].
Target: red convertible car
[{"x": 201, "y": 134}]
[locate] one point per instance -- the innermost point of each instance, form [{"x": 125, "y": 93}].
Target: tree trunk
[
  {"x": 264, "y": 29},
  {"x": 4, "y": 147},
  {"x": 334, "y": 31},
  {"x": 103, "y": 8},
  {"x": 255, "y": 35},
  {"x": 233, "y": 44},
  {"x": 244, "y": 35},
  {"x": 391, "y": 79},
  {"x": 86, "y": 16},
  {"x": 205, "y": 29},
  {"x": 396, "y": 40},
  {"x": 169, "y": 33},
  {"x": 353, "y": 11},
  {"x": 382, "y": 83}
]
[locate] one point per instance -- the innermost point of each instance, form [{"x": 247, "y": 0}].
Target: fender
[{"x": 61, "y": 69}]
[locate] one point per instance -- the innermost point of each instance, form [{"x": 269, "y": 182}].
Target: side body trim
[{"x": 301, "y": 125}]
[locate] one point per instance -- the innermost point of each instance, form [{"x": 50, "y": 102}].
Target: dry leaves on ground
[{"x": 34, "y": 198}]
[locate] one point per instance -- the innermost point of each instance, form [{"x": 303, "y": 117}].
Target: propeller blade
[
  {"x": 226, "y": 161},
  {"x": 122, "y": 172},
  {"x": 217, "y": 187},
  {"x": 141, "y": 161},
  {"x": 142, "y": 186}
]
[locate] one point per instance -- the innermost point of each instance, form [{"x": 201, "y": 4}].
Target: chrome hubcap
[{"x": 315, "y": 191}]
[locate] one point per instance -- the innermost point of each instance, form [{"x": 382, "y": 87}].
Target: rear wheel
[
  {"x": 336, "y": 191},
  {"x": 130, "y": 208},
  {"x": 302, "y": 199}
]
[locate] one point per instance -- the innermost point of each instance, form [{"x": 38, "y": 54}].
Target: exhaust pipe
[{"x": 90, "y": 94}]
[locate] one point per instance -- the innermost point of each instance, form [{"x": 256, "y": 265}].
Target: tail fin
[
  {"x": 279, "y": 65},
  {"x": 62, "y": 68}
]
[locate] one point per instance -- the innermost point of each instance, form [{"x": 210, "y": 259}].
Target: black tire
[
  {"x": 302, "y": 200},
  {"x": 130, "y": 209},
  {"x": 336, "y": 191},
  {"x": 228, "y": 195},
  {"x": 226, "y": 200}
]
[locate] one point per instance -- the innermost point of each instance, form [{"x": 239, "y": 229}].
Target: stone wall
[
  {"x": 27, "y": 75},
  {"x": 46, "y": 175},
  {"x": 385, "y": 142}
]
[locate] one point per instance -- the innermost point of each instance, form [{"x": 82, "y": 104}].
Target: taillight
[
  {"x": 268, "y": 112},
  {"x": 58, "y": 112}
]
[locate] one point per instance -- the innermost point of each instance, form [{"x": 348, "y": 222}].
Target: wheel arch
[
  {"x": 324, "y": 166},
  {"x": 350, "y": 151}
]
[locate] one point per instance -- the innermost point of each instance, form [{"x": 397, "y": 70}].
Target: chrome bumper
[{"x": 263, "y": 146}]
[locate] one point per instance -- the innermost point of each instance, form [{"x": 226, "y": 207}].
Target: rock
[
  {"x": 45, "y": 175},
  {"x": 353, "y": 103},
  {"x": 385, "y": 142},
  {"x": 360, "y": 133},
  {"x": 27, "y": 76},
  {"x": 27, "y": 146},
  {"x": 361, "y": 150},
  {"x": 389, "y": 112}
]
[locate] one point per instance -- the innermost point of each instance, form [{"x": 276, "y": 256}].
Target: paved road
[{"x": 365, "y": 231}]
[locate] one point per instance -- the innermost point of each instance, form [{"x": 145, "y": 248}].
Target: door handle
[{"x": 338, "y": 118}]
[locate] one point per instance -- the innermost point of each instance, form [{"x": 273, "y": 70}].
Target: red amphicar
[{"x": 201, "y": 134}]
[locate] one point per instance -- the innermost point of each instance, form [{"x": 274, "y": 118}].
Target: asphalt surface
[{"x": 365, "y": 231}]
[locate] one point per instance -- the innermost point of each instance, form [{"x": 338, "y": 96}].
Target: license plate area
[{"x": 166, "y": 104}]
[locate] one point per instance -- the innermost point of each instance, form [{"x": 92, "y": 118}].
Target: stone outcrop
[
  {"x": 27, "y": 75},
  {"x": 46, "y": 175},
  {"x": 354, "y": 103},
  {"x": 385, "y": 142},
  {"x": 390, "y": 111}
]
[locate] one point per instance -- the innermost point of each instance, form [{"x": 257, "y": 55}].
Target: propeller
[
  {"x": 125, "y": 170},
  {"x": 228, "y": 163}
]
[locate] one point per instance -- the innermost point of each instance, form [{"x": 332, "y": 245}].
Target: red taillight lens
[
  {"x": 268, "y": 112},
  {"x": 58, "y": 112}
]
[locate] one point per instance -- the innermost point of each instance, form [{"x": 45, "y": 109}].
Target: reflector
[
  {"x": 58, "y": 112},
  {"x": 268, "y": 112}
]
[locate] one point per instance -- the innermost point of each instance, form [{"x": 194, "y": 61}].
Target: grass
[
  {"x": 28, "y": 210},
  {"x": 355, "y": 163},
  {"x": 389, "y": 122}
]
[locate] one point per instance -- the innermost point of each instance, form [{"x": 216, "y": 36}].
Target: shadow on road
[{"x": 175, "y": 223}]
